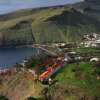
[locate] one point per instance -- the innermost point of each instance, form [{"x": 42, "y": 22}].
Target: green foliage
[
  {"x": 32, "y": 98},
  {"x": 33, "y": 62},
  {"x": 87, "y": 50},
  {"x": 3, "y": 98},
  {"x": 80, "y": 75}
]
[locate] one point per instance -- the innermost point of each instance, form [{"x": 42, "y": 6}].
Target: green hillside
[{"x": 45, "y": 25}]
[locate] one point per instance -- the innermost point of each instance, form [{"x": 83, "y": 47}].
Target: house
[{"x": 91, "y": 40}]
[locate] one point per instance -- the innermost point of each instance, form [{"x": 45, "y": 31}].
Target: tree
[
  {"x": 32, "y": 98},
  {"x": 3, "y": 98}
]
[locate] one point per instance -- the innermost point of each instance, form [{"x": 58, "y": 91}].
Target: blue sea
[{"x": 11, "y": 56}]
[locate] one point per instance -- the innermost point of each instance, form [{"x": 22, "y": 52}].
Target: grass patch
[
  {"x": 88, "y": 83},
  {"x": 88, "y": 50}
]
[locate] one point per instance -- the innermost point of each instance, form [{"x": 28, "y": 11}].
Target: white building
[{"x": 92, "y": 40}]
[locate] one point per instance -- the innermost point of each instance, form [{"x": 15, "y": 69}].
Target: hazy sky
[{"x": 11, "y": 5}]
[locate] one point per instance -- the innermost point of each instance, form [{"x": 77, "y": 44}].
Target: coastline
[{"x": 20, "y": 50}]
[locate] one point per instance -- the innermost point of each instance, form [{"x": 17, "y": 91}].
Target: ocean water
[{"x": 11, "y": 56}]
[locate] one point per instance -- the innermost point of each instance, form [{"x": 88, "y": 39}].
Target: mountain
[
  {"x": 89, "y": 7},
  {"x": 46, "y": 25}
]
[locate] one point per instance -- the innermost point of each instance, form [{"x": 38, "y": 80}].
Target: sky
[{"x": 7, "y": 6}]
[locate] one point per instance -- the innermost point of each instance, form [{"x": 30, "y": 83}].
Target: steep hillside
[
  {"x": 45, "y": 25},
  {"x": 89, "y": 7},
  {"x": 69, "y": 25},
  {"x": 20, "y": 86}
]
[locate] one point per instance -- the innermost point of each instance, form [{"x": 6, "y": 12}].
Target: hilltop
[
  {"x": 89, "y": 7},
  {"x": 45, "y": 25}
]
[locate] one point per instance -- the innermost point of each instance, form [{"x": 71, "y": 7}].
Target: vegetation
[
  {"x": 3, "y": 98},
  {"x": 33, "y": 62},
  {"x": 20, "y": 86},
  {"x": 75, "y": 81},
  {"x": 82, "y": 75},
  {"x": 46, "y": 25},
  {"x": 32, "y": 98},
  {"x": 88, "y": 50}
]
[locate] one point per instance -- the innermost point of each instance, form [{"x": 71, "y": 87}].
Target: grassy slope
[
  {"x": 20, "y": 86},
  {"x": 79, "y": 79},
  {"x": 55, "y": 24},
  {"x": 84, "y": 78}
]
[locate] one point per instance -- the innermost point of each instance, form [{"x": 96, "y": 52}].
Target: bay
[{"x": 11, "y": 56}]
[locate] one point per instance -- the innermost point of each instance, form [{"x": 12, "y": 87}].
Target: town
[{"x": 54, "y": 61}]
